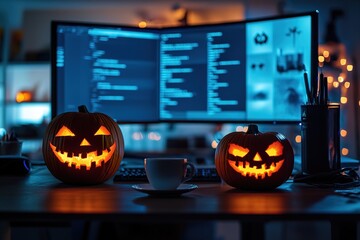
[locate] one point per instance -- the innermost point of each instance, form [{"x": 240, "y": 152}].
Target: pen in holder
[{"x": 320, "y": 133}]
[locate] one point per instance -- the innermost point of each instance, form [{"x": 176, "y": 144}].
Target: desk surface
[{"x": 39, "y": 196}]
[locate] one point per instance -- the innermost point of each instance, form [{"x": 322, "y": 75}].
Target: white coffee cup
[{"x": 168, "y": 173}]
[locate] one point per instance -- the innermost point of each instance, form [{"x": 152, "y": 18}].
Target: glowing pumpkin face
[
  {"x": 254, "y": 160},
  {"x": 82, "y": 147},
  {"x": 85, "y": 154},
  {"x": 255, "y": 166}
]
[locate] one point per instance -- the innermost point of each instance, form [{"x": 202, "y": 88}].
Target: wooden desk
[{"x": 39, "y": 197}]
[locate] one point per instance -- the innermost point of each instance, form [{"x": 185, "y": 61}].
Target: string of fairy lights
[
  {"x": 332, "y": 58},
  {"x": 334, "y": 64}
]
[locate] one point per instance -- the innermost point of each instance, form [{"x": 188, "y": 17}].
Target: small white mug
[{"x": 168, "y": 173}]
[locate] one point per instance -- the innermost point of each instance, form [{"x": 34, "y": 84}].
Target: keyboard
[{"x": 137, "y": 174}]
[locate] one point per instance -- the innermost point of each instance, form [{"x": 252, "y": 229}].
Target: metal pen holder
[{"x": 320, "y": 134}]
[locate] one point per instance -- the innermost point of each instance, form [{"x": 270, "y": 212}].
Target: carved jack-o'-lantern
[
  {"x": 82, "y": 147},
  {"x": 254, "y": 160}
]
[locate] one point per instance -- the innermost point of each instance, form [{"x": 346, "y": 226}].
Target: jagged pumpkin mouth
[
  {"x": 258, "y": 172},
  {"x": 88, "y": 159}
]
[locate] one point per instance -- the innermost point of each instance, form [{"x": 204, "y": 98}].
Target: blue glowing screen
[{"x": 230, "y": 72}]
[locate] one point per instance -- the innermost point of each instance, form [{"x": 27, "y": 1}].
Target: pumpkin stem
[
  {"x": 252, "y": 129},
  {"x": 83, "y": 109}
]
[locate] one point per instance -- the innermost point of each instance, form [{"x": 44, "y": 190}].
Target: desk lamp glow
[
  {"x": 254, "y": 160},
  {"x": 82, "y": 147}
]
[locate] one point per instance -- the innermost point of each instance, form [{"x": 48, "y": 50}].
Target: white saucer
[{"x": 147, "y": 188}]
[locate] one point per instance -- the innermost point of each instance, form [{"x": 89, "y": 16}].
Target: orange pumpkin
[
  {"x": 82, "y": 147},
  {"x": 254, "y": 160}
]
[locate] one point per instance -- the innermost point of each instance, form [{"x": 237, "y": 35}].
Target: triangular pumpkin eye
[
  {"x": 237, "y": 150},
  {"x": 64, "y": 132},
  {"x": 102, "y": 131},
  {"x": 275, "y": 149}
]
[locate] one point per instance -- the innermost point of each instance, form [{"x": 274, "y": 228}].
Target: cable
[{"x": 338, "y": 179}]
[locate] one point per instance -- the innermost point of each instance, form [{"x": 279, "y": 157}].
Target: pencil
[{"x": 307, "y": 87}]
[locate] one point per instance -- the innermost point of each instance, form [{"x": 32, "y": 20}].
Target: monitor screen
[{"x": 246, "y": 71}]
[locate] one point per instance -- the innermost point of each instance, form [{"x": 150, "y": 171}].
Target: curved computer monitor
[{"x": 246, "y": 71}]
